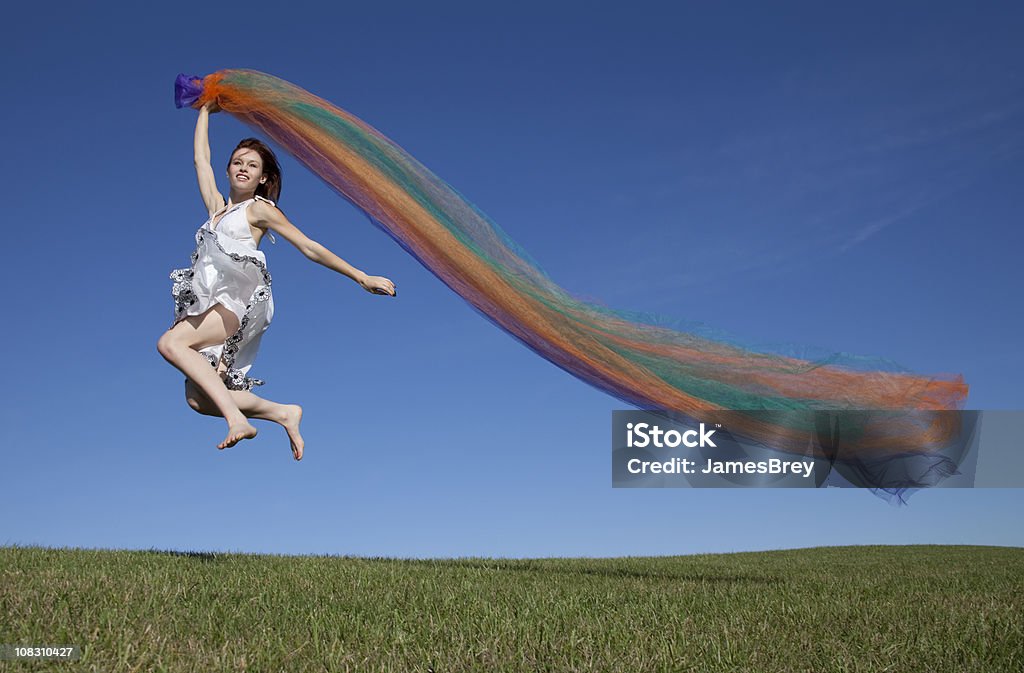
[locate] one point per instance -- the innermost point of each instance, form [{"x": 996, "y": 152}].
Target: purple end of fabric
[{"x": 187, "y": 89}]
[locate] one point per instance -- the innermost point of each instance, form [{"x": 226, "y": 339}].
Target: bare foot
[
  {"x": 236, "y": 433},
  {"x": 290, "y": 420}
]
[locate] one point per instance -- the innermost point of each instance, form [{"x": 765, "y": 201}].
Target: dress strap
[{"x": 269, "y": 233}]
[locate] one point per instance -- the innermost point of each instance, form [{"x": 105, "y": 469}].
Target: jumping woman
[{"x": 223, "y": 303}]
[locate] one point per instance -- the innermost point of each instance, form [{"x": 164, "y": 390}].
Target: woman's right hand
[
  {"x": 211, "y": 106},
  {"x": 377, "y": 285}
]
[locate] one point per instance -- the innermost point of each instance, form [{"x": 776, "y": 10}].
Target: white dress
[{"x": 228, "y": 269}]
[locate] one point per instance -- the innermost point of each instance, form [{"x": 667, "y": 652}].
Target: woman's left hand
[{"x": 378, "y": 285}]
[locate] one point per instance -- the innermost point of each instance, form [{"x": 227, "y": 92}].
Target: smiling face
[{"x": 245, "y": 170}]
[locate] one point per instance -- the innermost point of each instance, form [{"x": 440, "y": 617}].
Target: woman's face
[{"x": 245, "y": 171}]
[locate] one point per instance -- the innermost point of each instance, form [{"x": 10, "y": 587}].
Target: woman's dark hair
[{"x": 271, "y": 189}]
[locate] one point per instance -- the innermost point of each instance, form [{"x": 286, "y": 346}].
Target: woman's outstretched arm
[
  {"x": 270, "y": 217},
  {"x": 212, "y": 199}
]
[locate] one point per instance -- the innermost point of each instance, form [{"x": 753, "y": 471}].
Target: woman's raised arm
[{"x": 212, "y": 199}]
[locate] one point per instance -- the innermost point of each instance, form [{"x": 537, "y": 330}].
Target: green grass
[{"x": 901, "y": 609}]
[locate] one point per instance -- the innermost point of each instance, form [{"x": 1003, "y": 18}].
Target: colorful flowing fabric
[{"x": 685, "y": 372}]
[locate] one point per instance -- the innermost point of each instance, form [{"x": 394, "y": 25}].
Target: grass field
[{"x": 901, "y": 609}]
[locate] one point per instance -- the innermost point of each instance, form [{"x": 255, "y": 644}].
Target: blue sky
[{"x": 842, "y": 177}]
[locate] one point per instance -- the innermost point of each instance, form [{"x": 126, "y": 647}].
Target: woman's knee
[
  {"x": 196, "y": 332},
  {"x": 171, "y": 343},
  {"x": 196, "y": 398},
  {"x": 167, "y": 344}
]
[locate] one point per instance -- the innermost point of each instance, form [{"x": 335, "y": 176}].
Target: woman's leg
[
  {"x": 287, "y": 416},
  {"x": 180, "y": 346}
]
